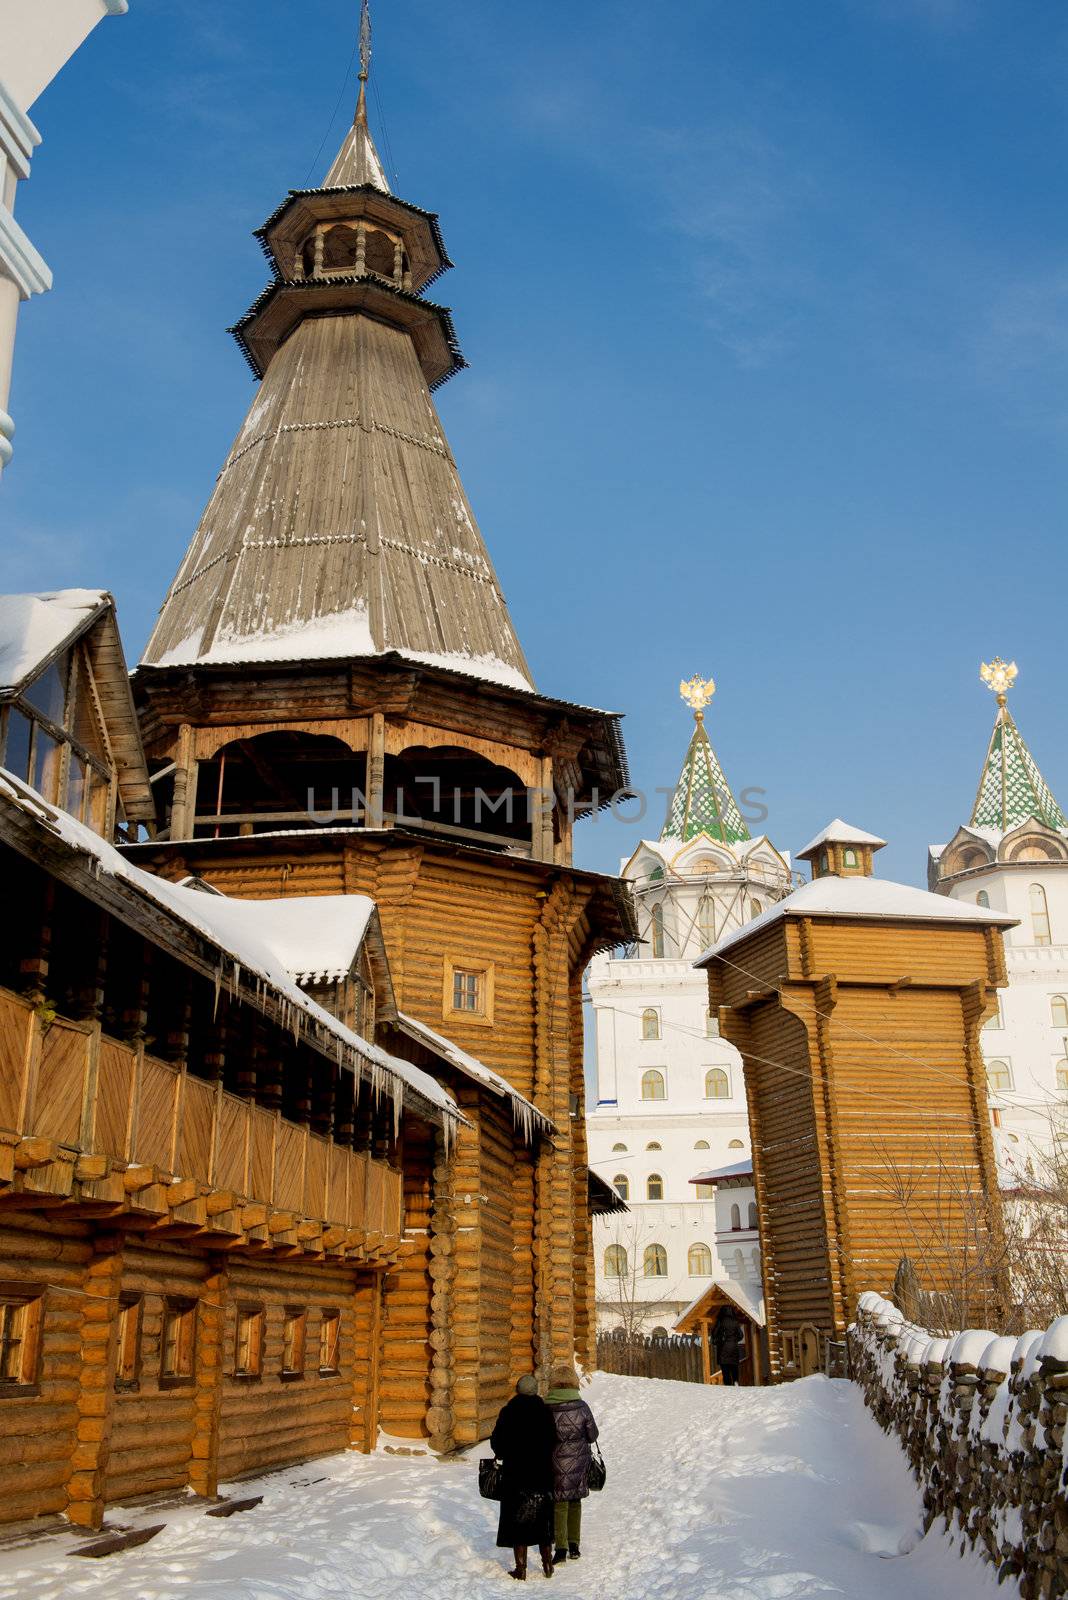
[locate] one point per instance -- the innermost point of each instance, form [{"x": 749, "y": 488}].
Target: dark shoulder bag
[
  {"x": 597, "y": 1475},
  {"x": 490, "y": 1473}
]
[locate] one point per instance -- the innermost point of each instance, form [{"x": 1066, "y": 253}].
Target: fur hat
[
  {"x": 527, "y": 1385},
  {"x": 565, "y": 1377}
]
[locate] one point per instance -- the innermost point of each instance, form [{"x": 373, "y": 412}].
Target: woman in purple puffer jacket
[{"x": 575, "y": 1432}]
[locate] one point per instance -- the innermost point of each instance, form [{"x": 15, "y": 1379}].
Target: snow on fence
[
  {"x": 982, "y": 1420},
  {"x": 654, "y": 1355}
]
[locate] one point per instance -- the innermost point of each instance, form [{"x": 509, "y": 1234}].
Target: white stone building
[
  {"x": 670, "y": 1097},
  {"x": 1012, "y": 855},
  {"x": 37, "y": 38}
]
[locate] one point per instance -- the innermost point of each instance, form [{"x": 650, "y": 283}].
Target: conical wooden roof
[
  {"x": 338, "y": 526},
  {"x": 1011, "y": 787},
  {"x": 703, "y": 802},
  {"x": 358, "y": 161}
]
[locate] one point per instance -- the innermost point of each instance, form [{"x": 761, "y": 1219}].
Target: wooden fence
[
  {"x": 68, "y": 1082},
  {"x": 643, "y": 1355}
]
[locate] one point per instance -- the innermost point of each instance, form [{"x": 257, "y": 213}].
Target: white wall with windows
[
  {"x": 670, "y": 1098},
  {"x": 1025, "y": 1046}
]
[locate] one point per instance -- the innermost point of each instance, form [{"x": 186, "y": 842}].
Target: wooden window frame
[
  {"x": 299, "y": 1316},
  {"x": 482, "y": 1016},
  {"x": 183, "y": 1310},
  {"x": 330, "y": 1316},
  {"x": 620, "y": 1261},
  {"x": 691, "y": 1272},
  {"x": 653, "y": 1098},
  {"x": 129, "y": 1339},
  {"x": 250, "y": 1314},
  {"x": 621, "y": 1184},
  {"x": 709, "y": 1073},
  {"x": 27, "y": 1301},
  {"x": 657, "y": 1252},
  {"x": 657, "y": 1178}
]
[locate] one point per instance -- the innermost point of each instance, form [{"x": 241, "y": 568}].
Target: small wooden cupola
[{"x": 841, "y": 851}]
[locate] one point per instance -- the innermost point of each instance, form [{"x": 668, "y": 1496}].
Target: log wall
[{"x": 867, "y": 1109}]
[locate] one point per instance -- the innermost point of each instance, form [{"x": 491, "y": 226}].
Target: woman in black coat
[
  {"x": 524, "y": 1439},
  {"x": 729, "y": 1341}
]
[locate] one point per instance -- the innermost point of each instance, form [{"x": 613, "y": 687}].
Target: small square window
[
  {"x": 294, "y": 1333},
  {"x": 468, "y": 991},
  {"x": 20, "y": 1340},
  {"x": 330, "y": 1343},
  {"x": 248, "y": 1341},
  {"x": 128, "y": 1356},
  {"x": 178, "y": 1338}
]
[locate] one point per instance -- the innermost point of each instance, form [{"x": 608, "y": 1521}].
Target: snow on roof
[
  {"x": 736, "y": 1169},
  {"x": 237, "y": 931},
  {"x": 668, "y": 849},
  {"x": 839, "y": 832},
  {"x": 861, "y": 897},
  {"x": 316, "y": 938},
  {"x": 752, "y": 1304},
  {"x": 33, "y": 627},
  {"x": 344, "y": 635},
  {"x": 525, "y": 1114}
]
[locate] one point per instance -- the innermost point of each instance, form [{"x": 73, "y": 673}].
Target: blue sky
[{"x": 766, "y": 306}]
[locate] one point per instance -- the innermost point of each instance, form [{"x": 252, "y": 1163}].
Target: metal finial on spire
[
  {"x": 365, "y": 62},
  {"x": 697, "y": 692},
  {"x": 999, "y": 677}
]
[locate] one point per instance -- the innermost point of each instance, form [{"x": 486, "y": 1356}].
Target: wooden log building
[
  {"x": 294, "y": 1132},
  {"x": 856, "y": 1005}
]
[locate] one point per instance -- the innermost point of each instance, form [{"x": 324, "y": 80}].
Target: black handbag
[
  {"x": 490, "y": 1475},
  {"x": 597, "y": 1476}
]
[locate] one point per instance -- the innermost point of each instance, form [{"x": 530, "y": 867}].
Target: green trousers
[{"x": 568, "y": 1515}]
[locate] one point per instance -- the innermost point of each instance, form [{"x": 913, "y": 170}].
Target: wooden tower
[
  {"x": 334, "y": 701},
  {"x": 857, "y": 1007}
]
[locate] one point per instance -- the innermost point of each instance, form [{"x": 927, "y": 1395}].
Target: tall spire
[
  {"x": 358, "y": 162},
  {"x": 702, "y": 802},
  {"x": 1011, "y": 788},
  {"x": 338, "y": 526}
]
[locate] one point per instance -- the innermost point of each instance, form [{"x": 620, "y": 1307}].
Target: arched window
[
  {"x": 619, "y": 1149},
  {"x": 736, "y": 1219},
  {"x": 1039, "y": 914},
  {"x": 652, "y": 1145},
  {"x": 755, "y": 908},
  {"x": 1058, "y": 1010},
  {"x": 717, "y": 1085},
  {"x": 998, "y": 1075},
  {"x": 655, "y": 1261},
  {"x": 621, "y": 1184},
  {"x": 659, "y": 1333},
  {"x": 615, "y": 1261},
  {"x": 753, "y": 1214},
  {"x": 656, "y": 931},
  {"x": 983, "y": 899},
  {"x": 699, "y": 1261},
  {"x": 654, "y": 1187},
  {"x": 702, "y": 1144},
  {"x": 1062, "y": 1074},
  {"x": 706, "y": 924},
  {"x": 650, "y": 1023},
  {"x": 653, "y": 1085},
  {"x": 736, "y": 1144},
  {"x": 849, "y": 856}
]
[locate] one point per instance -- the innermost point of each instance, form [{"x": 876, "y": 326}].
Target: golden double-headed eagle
[{"x": 697, "y": 692}]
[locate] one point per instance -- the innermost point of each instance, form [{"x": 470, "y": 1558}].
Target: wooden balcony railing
[{"x": 67, "y": 1085}]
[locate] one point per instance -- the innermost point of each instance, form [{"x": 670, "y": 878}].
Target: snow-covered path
[{"x": 713, "y": 1494}]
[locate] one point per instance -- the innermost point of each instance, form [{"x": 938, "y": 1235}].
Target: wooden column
[
  {"x": 184, "y": 802},
  {"x": 441, "y": 1416},
  {"x": 211, "y": 1333},
  {"x": 36, "y": 914},
  {"x": 96, "y": 1379},
  {"x": 376, "y": 770},
  {"x": 87, "y": 1004}
]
